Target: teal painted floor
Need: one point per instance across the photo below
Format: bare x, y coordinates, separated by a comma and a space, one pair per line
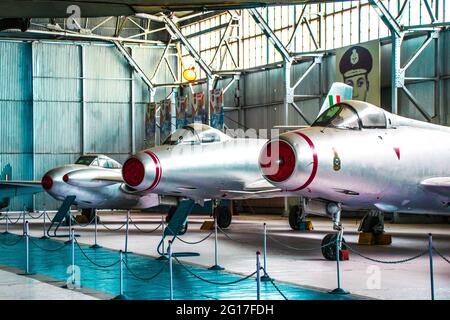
53, 259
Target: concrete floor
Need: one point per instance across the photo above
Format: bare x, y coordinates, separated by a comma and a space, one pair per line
410, 280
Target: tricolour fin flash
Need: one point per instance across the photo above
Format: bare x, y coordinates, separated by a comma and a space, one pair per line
338, 92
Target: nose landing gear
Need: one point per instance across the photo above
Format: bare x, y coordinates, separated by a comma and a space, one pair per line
329, 247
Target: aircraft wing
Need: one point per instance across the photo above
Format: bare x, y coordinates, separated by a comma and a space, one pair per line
109, 178
440, 185
18, 188
257, 187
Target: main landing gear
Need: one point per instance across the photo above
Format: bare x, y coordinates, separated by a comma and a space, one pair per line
169, 216
371, 229
223, 215
329, 247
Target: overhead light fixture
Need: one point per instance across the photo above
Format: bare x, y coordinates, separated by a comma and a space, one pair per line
189, 74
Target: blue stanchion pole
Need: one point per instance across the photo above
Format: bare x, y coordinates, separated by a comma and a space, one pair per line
265, 277
127, 227
216, 265
26, 233
7, 223
95, 245
258, 276
430, 254
170, 270
121, 295
44, 235
338, 290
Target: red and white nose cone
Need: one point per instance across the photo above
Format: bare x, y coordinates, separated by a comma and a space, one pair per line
277, 161
143, 171
133, 172
47, 182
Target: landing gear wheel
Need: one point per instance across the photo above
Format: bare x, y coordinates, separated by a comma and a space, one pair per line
169, 217
329, 252
89, 214
223, 216
295, 214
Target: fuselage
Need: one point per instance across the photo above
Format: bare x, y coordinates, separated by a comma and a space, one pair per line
370, 168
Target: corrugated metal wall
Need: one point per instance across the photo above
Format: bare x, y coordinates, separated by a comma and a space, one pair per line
46, 87
263, 91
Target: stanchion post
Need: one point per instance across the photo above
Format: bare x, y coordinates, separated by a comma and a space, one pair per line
126, 232
121, 295
258, 276
216, 265
170, 270
23, 220
163, 228
265, 277
44, 235
26, 233
95, 245
338, 290
70, 229
430, 254
7, 223
72, 239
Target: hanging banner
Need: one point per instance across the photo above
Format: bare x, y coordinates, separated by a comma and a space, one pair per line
216, 108
199, 114
165, 118
150, 125
359, 67
182, 112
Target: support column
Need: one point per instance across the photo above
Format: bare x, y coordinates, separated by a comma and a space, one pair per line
397, 78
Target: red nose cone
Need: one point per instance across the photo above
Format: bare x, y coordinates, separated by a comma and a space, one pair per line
66, 178
277, 161
47, 182
133, 172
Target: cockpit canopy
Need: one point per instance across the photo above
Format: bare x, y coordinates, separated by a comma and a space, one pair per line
98, 161
195, 133
353, 115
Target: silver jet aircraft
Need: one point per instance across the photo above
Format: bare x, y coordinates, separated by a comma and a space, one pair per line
358, 156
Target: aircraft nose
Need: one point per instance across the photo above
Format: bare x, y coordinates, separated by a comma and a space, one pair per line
142, 171
47, 182
277, 160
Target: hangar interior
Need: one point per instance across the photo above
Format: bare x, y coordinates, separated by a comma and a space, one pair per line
65, 92
82, 81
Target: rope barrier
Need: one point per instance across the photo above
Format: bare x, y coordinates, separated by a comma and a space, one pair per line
300, 249
93, 262
213, 282
143, 231
35, 217
84, 225
143, 278
196, 242
47, 249
13, 243
274, 285
10, 220
387, 262
441, 255
113, 230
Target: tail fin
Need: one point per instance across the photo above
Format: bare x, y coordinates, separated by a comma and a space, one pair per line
338, 92
6, 173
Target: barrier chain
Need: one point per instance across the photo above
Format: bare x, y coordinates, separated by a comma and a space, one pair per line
144, 231
213, 282
13, 243
196, 242
275, 286
145, 278
299, 249
441, 255
387, 262
93, 262
113, 230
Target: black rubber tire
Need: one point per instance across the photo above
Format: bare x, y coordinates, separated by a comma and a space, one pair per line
224, 216
329, 252
89, 214
369, 223
294, 216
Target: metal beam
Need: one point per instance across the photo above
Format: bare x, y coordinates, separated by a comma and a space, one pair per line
133, 64
430, 38
386, 17
174, 29
270, 34
416, 104
291, 42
